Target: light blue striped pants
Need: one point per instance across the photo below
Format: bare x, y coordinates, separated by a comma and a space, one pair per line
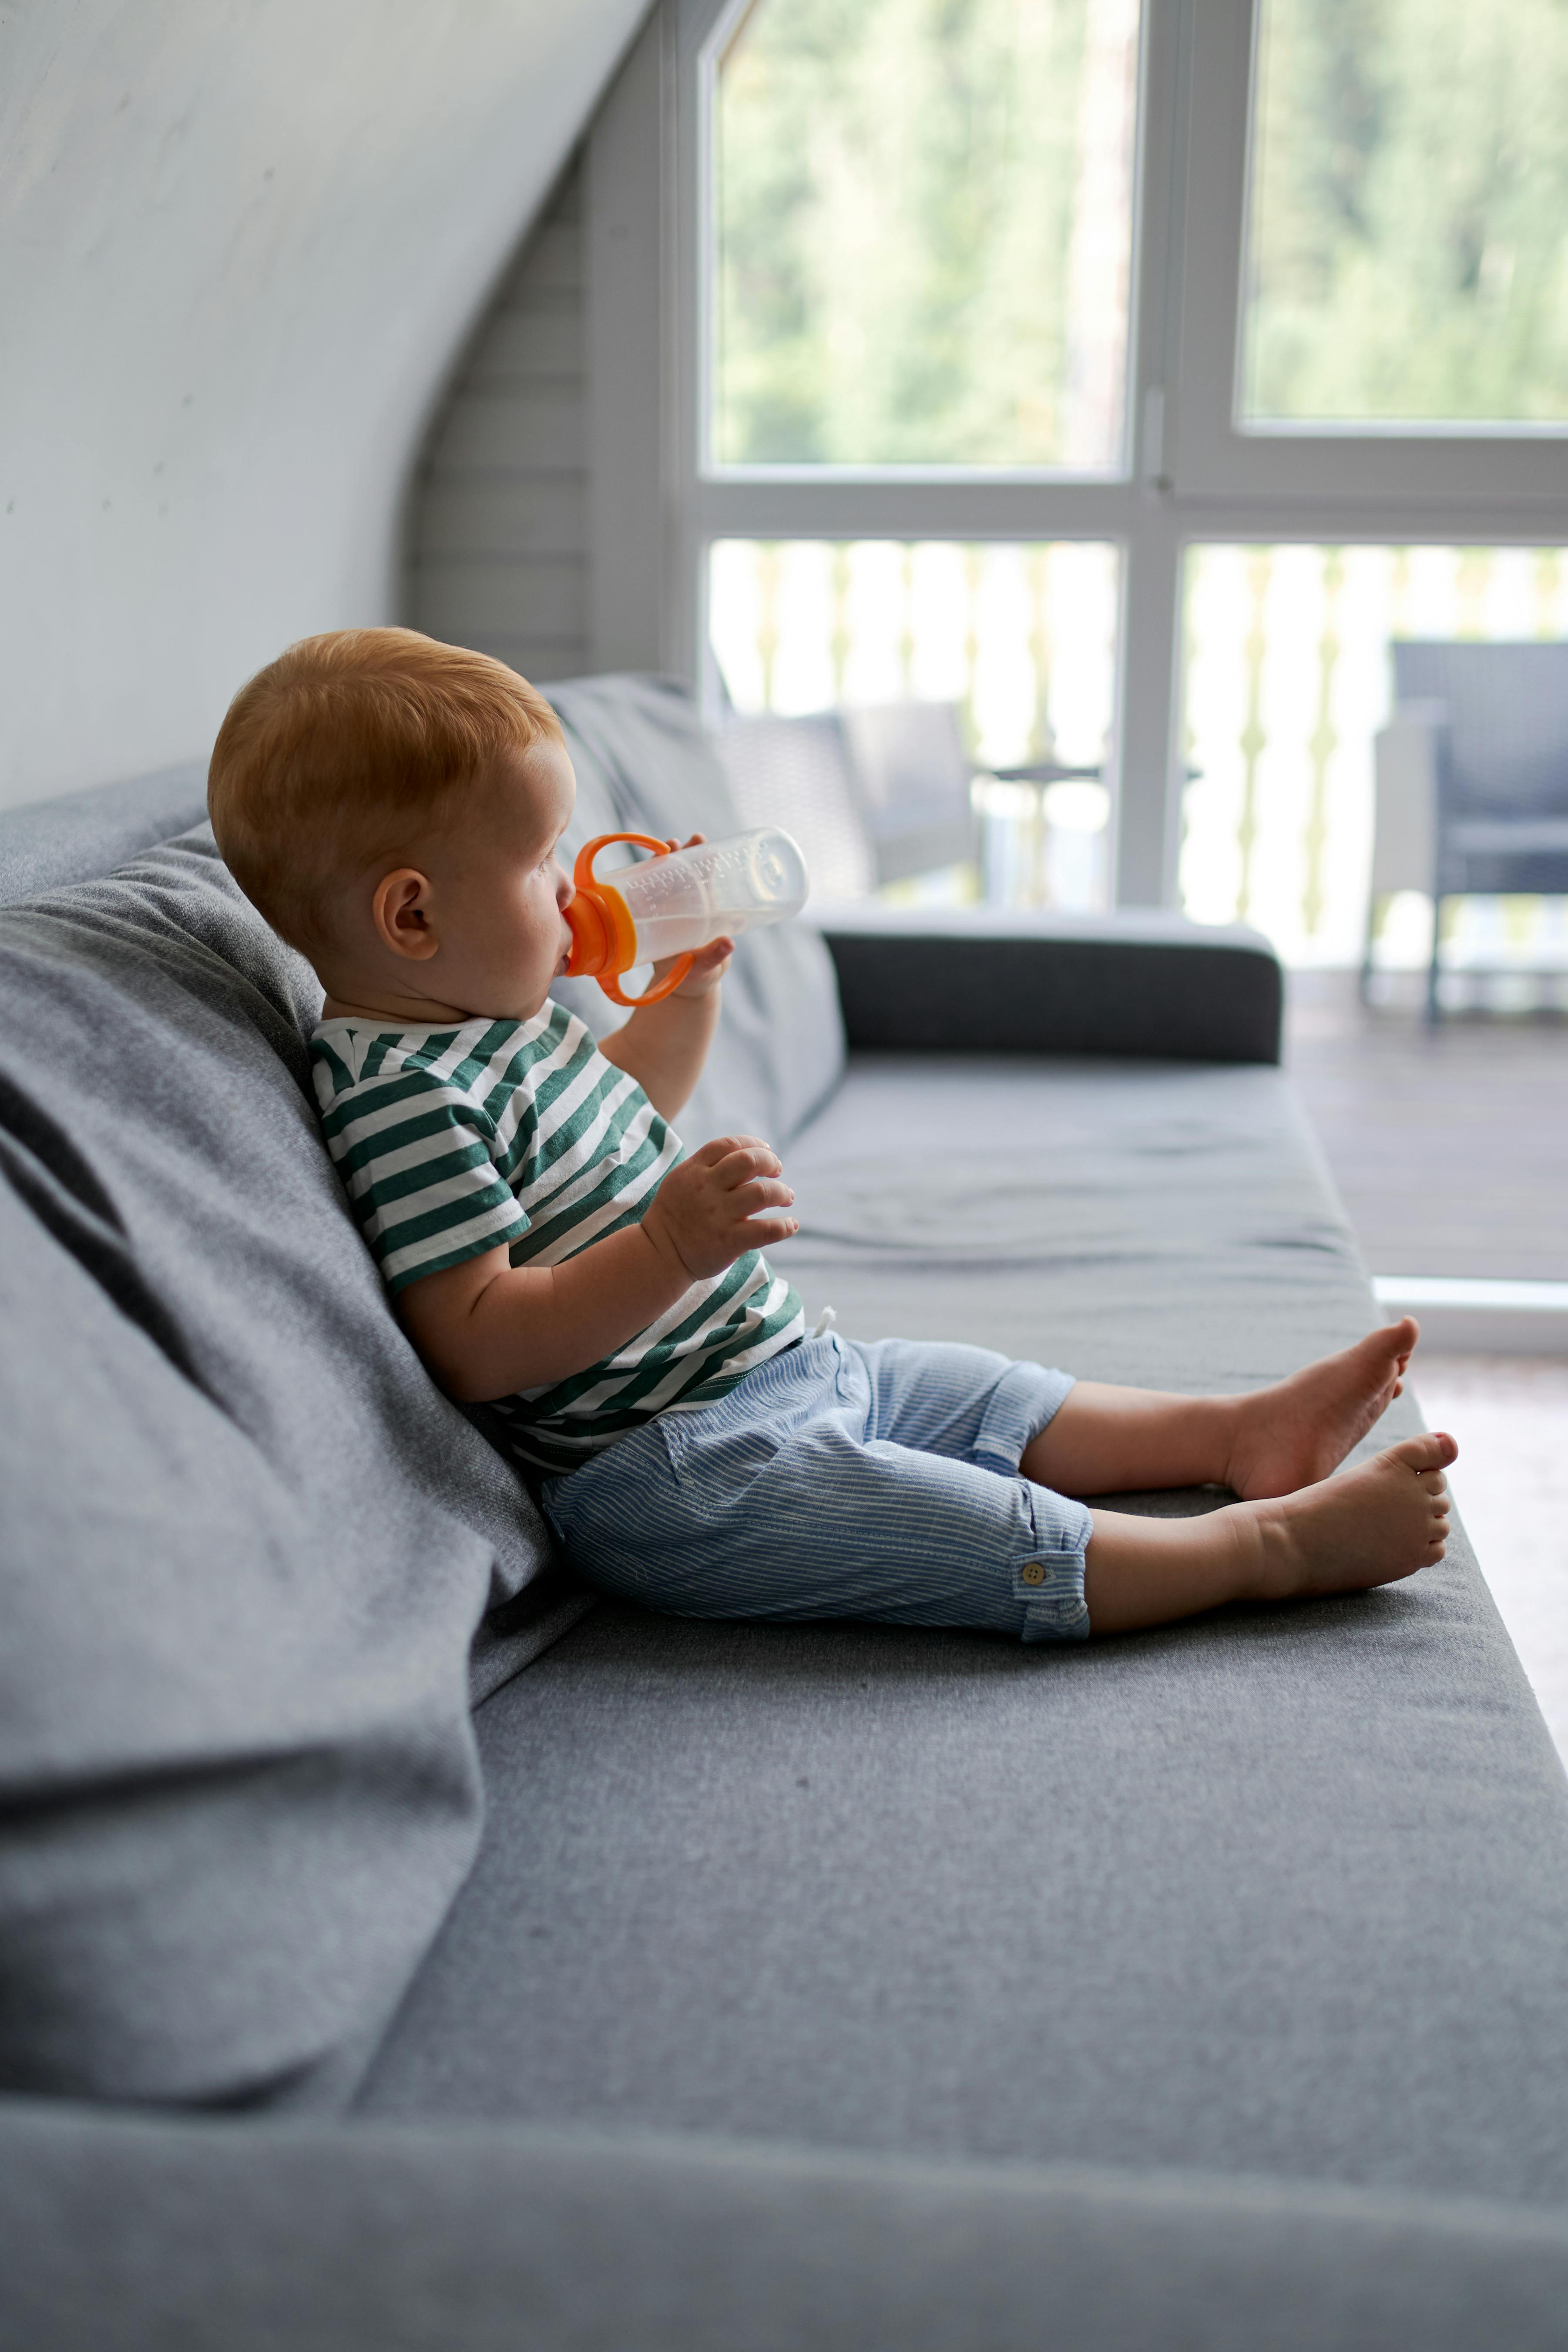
841, 1479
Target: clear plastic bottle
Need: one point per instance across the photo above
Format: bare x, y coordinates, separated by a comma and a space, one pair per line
678, 900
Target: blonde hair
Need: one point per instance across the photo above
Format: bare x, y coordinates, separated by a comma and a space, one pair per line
345, 748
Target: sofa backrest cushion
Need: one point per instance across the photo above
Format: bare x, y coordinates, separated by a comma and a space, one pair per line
641, 753
81, 835
247, 1546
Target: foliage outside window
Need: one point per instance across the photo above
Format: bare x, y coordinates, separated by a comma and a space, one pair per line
1408, 254
924, 232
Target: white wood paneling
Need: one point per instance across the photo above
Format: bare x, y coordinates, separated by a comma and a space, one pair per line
541, 597
634, 520
526, 515
497, 537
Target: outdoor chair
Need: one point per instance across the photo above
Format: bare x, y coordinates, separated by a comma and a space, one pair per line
795, 773
877, 793
1471, 782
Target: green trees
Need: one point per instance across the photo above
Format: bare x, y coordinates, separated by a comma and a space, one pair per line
922, 217
1409, 249
924, 224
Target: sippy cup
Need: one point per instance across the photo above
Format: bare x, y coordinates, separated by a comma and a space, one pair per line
676, 901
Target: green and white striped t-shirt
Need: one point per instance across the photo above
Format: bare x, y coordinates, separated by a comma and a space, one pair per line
452, 1142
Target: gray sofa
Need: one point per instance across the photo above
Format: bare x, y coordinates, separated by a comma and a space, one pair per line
399, 1950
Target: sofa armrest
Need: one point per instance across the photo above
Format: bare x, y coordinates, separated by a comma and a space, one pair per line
987, 980
123, 2235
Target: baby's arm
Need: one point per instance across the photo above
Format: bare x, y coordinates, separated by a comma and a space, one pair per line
487, 1328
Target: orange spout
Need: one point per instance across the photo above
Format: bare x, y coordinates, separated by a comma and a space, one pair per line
604, 935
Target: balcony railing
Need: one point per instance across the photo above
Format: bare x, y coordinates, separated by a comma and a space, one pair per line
1023, 637
1287, 681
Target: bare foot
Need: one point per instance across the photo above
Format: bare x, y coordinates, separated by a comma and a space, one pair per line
1379, 1522
1293, 1436
1382, 1521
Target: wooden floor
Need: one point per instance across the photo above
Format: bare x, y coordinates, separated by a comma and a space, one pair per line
1449, 1146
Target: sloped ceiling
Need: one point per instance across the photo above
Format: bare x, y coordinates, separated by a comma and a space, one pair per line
240, 241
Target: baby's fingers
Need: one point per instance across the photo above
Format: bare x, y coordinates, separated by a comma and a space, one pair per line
724, 1147
762, 1193
752, 1161
764, 1232
711, 958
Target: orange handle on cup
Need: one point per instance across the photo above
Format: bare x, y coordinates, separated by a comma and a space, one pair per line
604, 935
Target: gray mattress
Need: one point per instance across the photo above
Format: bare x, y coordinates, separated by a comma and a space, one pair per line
1279, 1893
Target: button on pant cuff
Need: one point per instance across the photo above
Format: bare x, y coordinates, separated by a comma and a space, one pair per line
1049, 1584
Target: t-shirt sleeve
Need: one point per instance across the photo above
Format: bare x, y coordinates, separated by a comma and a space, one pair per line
415, 1157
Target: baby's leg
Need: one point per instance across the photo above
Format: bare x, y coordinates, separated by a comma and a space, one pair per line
1104, 1440
1372, 1525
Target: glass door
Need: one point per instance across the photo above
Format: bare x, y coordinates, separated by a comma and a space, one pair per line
916, 269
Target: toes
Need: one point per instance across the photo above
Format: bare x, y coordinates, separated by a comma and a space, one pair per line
1432, 1452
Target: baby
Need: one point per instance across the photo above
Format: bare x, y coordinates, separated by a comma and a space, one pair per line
394, 807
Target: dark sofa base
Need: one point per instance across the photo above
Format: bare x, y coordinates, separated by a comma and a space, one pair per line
987, 981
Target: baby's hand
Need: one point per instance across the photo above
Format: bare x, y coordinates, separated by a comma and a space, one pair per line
708, 964
709, 1209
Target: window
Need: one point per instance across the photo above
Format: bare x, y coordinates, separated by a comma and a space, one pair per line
913, 272
1407, 245
1194, 294
1287, 681
924, 222
1022, 638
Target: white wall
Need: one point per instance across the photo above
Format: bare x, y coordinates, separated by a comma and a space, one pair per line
240, 243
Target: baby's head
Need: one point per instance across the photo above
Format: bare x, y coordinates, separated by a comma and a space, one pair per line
392, 805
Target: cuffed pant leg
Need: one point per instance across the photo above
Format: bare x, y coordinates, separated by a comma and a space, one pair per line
968, 1403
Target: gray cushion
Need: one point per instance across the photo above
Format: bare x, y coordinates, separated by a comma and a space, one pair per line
81, 835
1281, 1892
247, 1545
125, 2234
780, 1049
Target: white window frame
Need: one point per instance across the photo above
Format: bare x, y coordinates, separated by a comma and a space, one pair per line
1444, 469
1192, 475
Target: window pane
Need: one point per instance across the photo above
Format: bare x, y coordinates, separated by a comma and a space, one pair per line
1287, 680
1021, 638
1408, 246
924, 232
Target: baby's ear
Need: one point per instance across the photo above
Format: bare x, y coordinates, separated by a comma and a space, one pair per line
400, 908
